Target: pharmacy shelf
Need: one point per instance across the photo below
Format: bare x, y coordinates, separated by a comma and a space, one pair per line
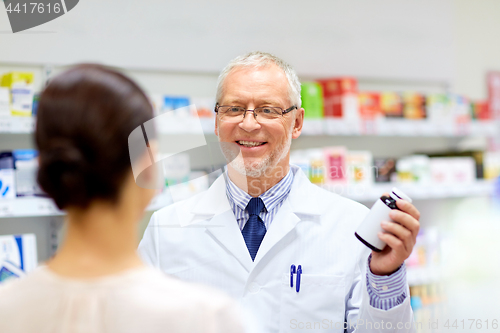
28, 206
399, 127
379, 127
36, 206
17, 125
366, 193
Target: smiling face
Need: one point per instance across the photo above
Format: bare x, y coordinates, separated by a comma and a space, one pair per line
256, 148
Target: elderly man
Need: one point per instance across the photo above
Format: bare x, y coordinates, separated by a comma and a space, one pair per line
267, 236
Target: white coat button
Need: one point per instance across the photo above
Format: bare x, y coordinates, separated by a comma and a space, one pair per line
385, 288
374, 285
253, 288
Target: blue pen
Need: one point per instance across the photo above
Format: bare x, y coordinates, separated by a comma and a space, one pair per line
299, 271
292, 271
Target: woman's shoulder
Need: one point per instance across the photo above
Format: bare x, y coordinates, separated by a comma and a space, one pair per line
16, 292
22, 282
141, 295
182, 291
172, 300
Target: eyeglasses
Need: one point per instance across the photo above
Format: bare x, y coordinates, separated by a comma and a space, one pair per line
262, 114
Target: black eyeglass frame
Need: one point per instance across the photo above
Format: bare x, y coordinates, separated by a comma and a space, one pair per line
283, 112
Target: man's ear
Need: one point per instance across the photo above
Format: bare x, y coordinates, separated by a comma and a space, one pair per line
299, 122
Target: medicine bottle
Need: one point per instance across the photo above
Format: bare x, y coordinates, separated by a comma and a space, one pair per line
368, 231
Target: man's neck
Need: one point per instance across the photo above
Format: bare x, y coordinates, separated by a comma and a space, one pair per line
258, 185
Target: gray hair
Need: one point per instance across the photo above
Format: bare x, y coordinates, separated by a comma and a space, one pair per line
262, 59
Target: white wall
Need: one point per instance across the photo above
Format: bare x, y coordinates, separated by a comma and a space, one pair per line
476, 33
365, 38
469, 32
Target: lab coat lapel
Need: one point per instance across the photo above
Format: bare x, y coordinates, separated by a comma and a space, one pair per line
284, 222
229, 236
301, 204
214, 212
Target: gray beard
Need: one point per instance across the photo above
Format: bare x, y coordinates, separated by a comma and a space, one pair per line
256, 169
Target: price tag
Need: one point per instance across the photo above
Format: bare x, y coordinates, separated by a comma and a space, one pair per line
476, 188
437, 191
446, 129
313, 127
406, 127
21, 125
462, 126
462, 190
392, 127
46, 207
5, 124
16, 125
368, 127
418, 192
420, 127
475, 128
386, 127
28, 125
6, 209
330, 126
380, 126
449, 191
428, 128
338, 126
491, 127
351, 127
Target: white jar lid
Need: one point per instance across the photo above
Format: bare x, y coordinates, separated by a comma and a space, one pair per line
400, 194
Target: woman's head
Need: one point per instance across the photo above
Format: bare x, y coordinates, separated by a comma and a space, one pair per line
85, 116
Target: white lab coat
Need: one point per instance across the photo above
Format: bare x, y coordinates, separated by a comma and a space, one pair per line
199, 240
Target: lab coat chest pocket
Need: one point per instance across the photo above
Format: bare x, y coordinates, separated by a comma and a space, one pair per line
318, 306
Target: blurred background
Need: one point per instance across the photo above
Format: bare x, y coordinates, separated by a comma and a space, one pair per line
396, 93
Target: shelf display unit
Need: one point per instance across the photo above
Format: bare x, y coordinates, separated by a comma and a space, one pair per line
39, 206
312, 127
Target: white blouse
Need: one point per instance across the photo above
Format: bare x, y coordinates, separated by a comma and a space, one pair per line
138, 300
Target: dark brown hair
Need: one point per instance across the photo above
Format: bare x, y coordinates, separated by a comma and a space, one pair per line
85, 116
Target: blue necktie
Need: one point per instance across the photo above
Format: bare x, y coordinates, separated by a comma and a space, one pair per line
254, 229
